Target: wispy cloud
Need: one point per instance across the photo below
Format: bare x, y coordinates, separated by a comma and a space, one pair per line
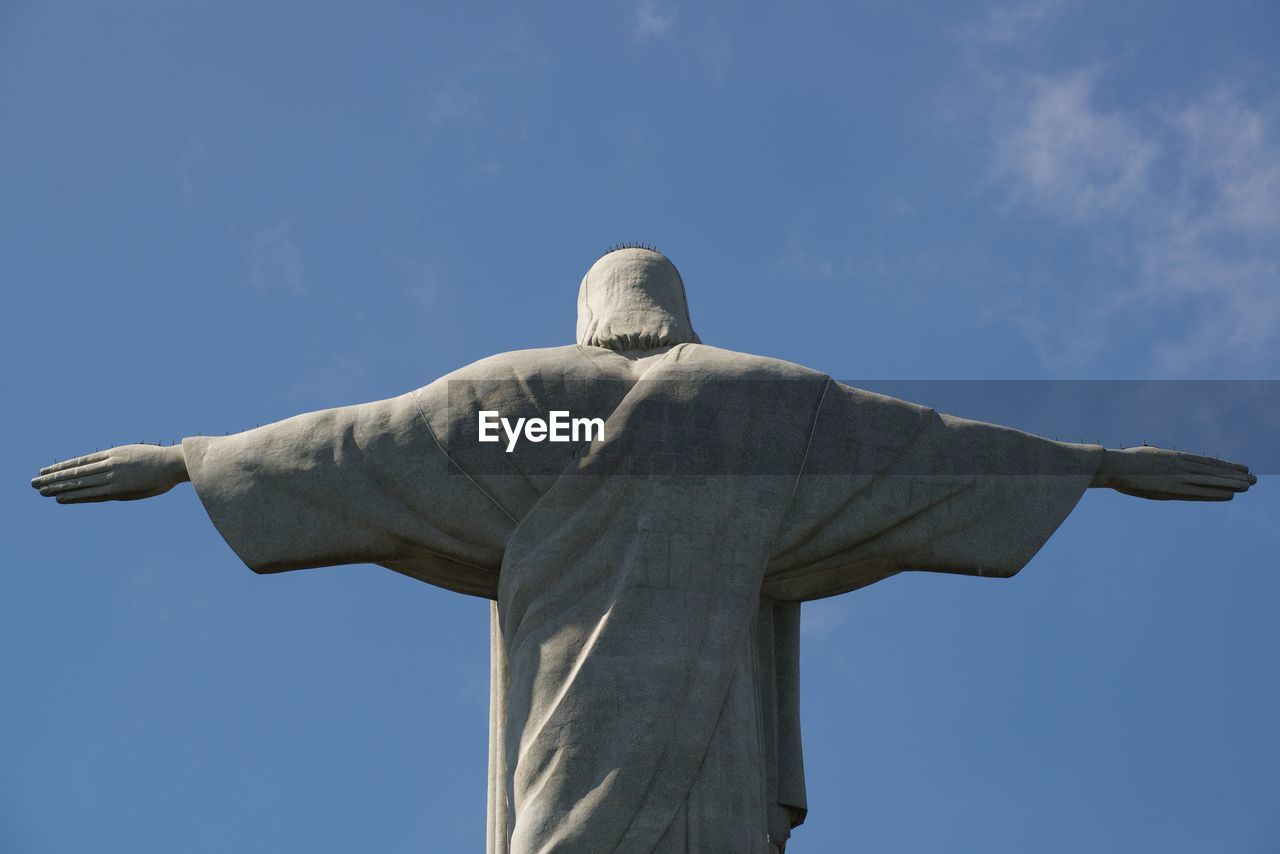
649, 20
1012, 23
701, 31
452, 102
823, 617
1202, 241
1216, 243
184, 168
716, 53
1063, 155
809, 257
275, 259
1177, 199
459, 97
418, 278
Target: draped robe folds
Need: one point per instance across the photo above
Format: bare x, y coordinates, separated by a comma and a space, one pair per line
646, 586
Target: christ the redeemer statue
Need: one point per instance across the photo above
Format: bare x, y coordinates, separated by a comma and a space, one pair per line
647, 570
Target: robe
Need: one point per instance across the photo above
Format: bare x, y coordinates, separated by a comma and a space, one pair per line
646, 585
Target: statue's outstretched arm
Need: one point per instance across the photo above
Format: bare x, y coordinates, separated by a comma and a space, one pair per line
1165, 475
124, 473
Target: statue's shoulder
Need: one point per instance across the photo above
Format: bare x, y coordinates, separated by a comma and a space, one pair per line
515, 364
571, 360
840, 400
735, 364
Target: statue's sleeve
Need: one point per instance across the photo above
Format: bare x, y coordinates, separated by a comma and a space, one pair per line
888, 486
357, 484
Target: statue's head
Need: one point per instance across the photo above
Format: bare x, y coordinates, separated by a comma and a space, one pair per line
633, 299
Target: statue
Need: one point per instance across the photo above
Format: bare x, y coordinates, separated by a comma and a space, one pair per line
647, 570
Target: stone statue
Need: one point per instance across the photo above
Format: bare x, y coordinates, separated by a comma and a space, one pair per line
646, 576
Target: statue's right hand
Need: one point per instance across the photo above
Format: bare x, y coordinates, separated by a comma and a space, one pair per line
126, 473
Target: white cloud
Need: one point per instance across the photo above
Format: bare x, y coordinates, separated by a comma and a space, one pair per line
823, 617
275, 259
1227, 143
460, 95
649, 20
1063, 155
702, 32
1178, 202
1012, 23
716, 53
418, 278
452, 102
185, 166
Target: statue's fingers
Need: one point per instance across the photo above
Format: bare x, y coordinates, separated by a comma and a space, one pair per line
75, 461
1153, 494
1235, 484
81, 496
72, 484
1208, 493
72, 473
1198, 470
1215, 463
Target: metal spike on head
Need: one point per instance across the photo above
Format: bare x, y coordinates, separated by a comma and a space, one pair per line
615, 247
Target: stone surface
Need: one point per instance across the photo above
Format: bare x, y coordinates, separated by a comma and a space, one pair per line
646, 585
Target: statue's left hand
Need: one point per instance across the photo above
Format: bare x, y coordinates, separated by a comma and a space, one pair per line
1166, 475
125, 473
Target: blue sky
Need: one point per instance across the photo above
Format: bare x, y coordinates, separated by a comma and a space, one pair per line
221, 214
